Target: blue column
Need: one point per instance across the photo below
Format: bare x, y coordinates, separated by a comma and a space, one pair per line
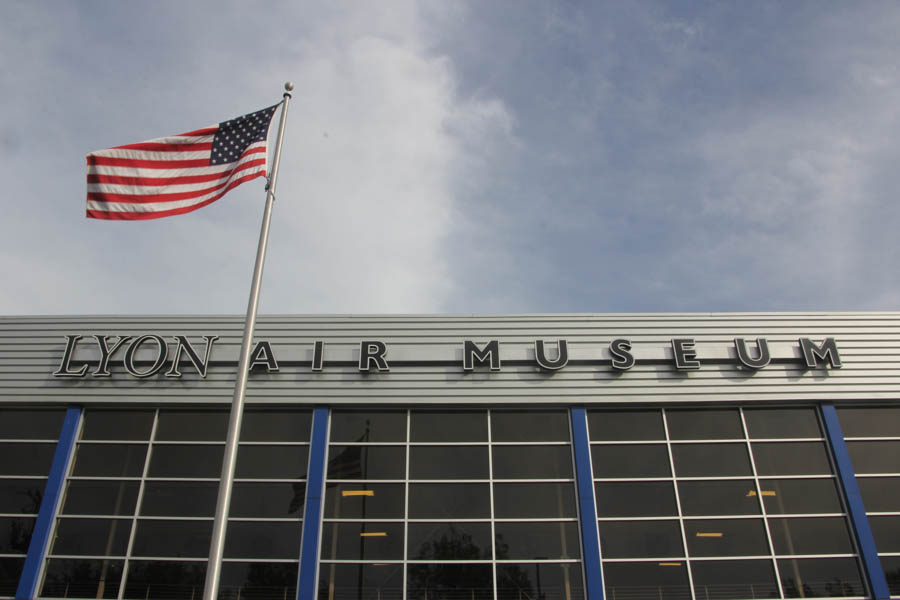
858, 518
40, 538
312, 513
587, 510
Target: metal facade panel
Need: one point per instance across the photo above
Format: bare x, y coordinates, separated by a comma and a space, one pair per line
427, 354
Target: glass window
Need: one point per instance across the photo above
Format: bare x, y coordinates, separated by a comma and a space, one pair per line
532, 462
272, 462
800, 496
534, 500
92, 537
448, 462
710, 460
875, 457
186, 461
26, 458
109, 460
15, 533
782, 423
267, 500
88, 578
820, 535
870, 422
362, 541
450, 582
164, 579
722, 497
449, 501
726, 537
10, 571
886, 530
22, 424
738, 579
662, 580
86, 497
364, 501
539, 580
537, 540
366, 462
625, 425
632, 460
806, 577
276, 425
704, 424
261, 539
529, 426
368, 426
263, 581
880, 494
791, 458
179, 498
448, 426
192, 425
103, 424
891, 566
636, 499
158, 538
641, 539
21, 495
449, 541
368, 581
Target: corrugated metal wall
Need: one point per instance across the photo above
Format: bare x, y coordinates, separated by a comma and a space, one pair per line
31, 349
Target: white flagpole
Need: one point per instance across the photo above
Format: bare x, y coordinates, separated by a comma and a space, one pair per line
217, 544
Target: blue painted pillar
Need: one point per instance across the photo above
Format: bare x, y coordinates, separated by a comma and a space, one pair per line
40, 538
587, 509
859, 520
312, 513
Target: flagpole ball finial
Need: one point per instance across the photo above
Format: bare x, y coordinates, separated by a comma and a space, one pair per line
289, 86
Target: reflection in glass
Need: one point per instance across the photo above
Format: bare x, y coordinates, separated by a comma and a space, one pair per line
798, 458
534, 500
632, 460
719, 424
362, 541
19, 424
102, 424
886, 530
880, 494
532, 462
636, 499
261, 539
164, 579
717, 497
870, 422
68, 578
625, 425
272, 462
448, 426
640, 539
362, 501
276, 425
179, 499
529, 426
449, 501
366, 462
273, 500
172, 538
782, 423
537, 540
15, 533
109, 460
738, 579
809, 577
97, 537
875, 457
662, 580
258, 581
26, 458
821, 535
10, 571
710, 460
450, 582
448, 462
539, 580
186, 461
21, 495
86, 497
192, 425
368, 426
449, 541
374, 581
800, 496
891, 566
726, 537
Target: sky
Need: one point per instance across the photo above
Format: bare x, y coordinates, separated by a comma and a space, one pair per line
465, 157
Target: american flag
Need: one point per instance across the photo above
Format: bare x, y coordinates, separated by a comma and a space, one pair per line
179, 173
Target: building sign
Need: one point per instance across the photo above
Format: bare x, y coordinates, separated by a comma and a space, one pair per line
149, 355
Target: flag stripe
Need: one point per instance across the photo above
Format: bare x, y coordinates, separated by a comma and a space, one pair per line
162, 161
120, 183
168, 147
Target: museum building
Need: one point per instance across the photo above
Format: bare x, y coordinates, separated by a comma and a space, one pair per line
523, 457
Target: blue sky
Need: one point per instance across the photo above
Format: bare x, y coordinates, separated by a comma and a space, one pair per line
483, 157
